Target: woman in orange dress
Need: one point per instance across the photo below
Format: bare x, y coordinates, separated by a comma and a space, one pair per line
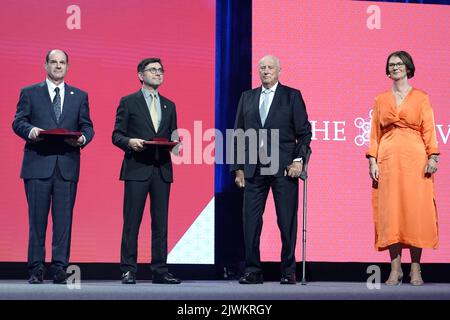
403, 157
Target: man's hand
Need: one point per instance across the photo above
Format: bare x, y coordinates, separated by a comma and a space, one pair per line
75, 142
136, 144
34, 134
177, 149
239, 180
294, 169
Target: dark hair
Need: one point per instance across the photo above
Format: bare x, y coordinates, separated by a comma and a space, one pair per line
47, 57
406, 59
141, 66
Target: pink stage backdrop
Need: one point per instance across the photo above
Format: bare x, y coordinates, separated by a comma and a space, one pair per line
105, 41
335, 53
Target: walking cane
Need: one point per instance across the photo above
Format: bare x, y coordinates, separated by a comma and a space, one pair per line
304, 177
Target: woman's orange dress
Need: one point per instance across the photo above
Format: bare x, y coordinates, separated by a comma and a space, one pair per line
401, 140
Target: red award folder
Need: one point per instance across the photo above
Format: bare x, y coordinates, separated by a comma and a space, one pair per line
161, 142
60, 133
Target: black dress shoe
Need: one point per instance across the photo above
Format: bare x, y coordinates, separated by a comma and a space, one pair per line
60, 277
36, 277
288, 279
166, 278
251, 278
128, 277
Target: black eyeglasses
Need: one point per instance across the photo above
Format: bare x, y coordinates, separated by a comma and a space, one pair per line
155, 70
398, 65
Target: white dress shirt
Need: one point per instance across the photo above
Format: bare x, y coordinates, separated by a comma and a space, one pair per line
271, 95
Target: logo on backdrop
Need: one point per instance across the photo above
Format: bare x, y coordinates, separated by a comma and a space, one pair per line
363, 126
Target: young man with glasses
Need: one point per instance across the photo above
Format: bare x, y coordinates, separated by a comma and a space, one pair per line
146, 170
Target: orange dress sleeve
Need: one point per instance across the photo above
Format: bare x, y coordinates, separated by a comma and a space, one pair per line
428, 128
374, 133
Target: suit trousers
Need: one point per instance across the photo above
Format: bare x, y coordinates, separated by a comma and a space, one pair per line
135, 197
285, 193
60, 194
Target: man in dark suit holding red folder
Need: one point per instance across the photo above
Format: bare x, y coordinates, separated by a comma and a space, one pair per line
146, 170
51, 166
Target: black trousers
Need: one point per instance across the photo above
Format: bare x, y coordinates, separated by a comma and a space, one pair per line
285, 193
135, 197
60, 194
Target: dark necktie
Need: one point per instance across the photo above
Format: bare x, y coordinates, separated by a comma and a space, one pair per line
57, 104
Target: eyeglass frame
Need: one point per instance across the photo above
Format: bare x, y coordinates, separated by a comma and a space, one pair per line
398, 65
154, 70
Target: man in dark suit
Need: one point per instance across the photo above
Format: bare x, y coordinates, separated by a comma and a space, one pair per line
143, 116
276, 115
51, 167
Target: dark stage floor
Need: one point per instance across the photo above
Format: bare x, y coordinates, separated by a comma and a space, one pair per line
219, 290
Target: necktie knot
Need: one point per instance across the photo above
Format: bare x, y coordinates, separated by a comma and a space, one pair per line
57, 90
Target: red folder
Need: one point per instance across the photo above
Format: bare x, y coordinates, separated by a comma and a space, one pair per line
60, 133
161, 142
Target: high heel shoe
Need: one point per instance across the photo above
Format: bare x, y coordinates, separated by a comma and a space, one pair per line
395, 279
416, 278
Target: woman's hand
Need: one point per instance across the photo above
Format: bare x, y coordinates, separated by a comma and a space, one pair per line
374, 171
431, 166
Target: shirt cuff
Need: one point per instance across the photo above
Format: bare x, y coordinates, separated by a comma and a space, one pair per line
29, 134
84, 140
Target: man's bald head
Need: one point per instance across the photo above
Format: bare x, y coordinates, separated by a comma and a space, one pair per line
269, 70
47, 57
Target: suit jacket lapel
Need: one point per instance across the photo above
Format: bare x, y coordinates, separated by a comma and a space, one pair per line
164, 111
68, 99
255, 103
46, 98
144, 109
275, 104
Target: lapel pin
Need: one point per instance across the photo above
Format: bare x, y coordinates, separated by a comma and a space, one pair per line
165, 107
71, 92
